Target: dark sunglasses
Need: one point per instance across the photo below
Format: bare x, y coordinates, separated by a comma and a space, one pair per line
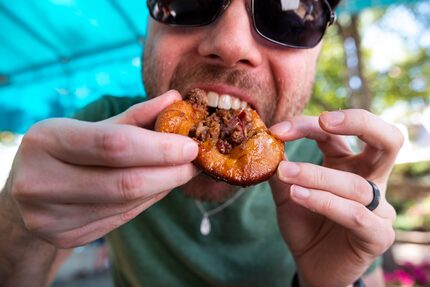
289, 23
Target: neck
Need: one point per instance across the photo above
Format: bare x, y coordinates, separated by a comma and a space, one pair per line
205, 188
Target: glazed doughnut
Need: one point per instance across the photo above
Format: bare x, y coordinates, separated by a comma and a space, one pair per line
235, 145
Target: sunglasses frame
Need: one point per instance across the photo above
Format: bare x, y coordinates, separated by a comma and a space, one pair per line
332, 19
226, 4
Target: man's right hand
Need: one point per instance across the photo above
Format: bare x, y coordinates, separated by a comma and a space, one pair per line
75, 181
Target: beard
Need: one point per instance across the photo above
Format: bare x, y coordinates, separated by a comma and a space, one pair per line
262, 89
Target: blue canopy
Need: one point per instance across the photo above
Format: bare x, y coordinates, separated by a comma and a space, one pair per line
58, 55
355, 6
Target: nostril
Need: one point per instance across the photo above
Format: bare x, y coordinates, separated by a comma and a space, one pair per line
226, 61
230, 40
213, 56
246, 62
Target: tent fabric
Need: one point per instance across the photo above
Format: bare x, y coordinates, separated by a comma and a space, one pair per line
355, 6
42, 32
58, 55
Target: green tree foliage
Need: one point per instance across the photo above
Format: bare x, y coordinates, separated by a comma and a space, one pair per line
408, 80
330, 91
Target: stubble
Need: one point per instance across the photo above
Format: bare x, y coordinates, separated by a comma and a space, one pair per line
262, 88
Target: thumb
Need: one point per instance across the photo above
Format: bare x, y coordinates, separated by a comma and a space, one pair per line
144, 114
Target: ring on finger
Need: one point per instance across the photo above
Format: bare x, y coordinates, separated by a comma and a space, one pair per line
376, 196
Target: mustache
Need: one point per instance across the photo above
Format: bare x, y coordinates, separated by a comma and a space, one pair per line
209, 73
258, 86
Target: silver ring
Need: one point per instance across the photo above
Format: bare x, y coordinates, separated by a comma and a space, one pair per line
376, 196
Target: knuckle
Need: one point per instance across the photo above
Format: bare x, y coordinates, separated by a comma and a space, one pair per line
361, 216
21, 188
327, 206
62, 241
363, 117
35, 223
126, 217
31, 141
392, 214
398, 138
319, 177
131, 114
112, 145
391, 237
168, 151
385, 240
37, 135
130, 184
361, 191
30, 223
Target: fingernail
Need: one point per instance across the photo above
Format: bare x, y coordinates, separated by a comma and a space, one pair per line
300, 192
172, 96
281, 128
190, 151
289, 169
332, 118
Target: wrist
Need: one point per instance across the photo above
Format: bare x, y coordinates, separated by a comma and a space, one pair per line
25, 257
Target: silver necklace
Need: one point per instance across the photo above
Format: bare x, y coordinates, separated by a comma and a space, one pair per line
205, 225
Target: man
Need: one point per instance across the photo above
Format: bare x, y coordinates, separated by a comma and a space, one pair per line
74, 181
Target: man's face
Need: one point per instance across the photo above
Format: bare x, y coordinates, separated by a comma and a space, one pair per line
229, 57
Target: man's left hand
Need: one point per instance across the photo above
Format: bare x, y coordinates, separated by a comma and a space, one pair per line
321, 210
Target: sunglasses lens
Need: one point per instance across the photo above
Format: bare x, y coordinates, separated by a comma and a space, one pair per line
185, 12
294, 23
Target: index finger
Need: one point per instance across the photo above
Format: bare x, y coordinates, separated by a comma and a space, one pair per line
365, 125
104, 144
144, 114
308, 127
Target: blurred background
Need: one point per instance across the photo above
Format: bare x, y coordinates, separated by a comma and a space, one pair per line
56, 56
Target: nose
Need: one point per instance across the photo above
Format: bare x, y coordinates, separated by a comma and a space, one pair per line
229, 40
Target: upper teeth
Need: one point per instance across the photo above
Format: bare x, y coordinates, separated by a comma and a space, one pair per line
225, 101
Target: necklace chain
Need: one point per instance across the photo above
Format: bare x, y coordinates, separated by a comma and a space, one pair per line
220, 207
205, 226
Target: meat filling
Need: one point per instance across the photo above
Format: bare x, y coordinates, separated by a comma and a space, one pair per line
228, 128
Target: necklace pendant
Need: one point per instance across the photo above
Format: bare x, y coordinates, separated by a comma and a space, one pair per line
205, 226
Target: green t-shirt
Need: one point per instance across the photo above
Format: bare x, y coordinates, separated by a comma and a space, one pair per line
163, 246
